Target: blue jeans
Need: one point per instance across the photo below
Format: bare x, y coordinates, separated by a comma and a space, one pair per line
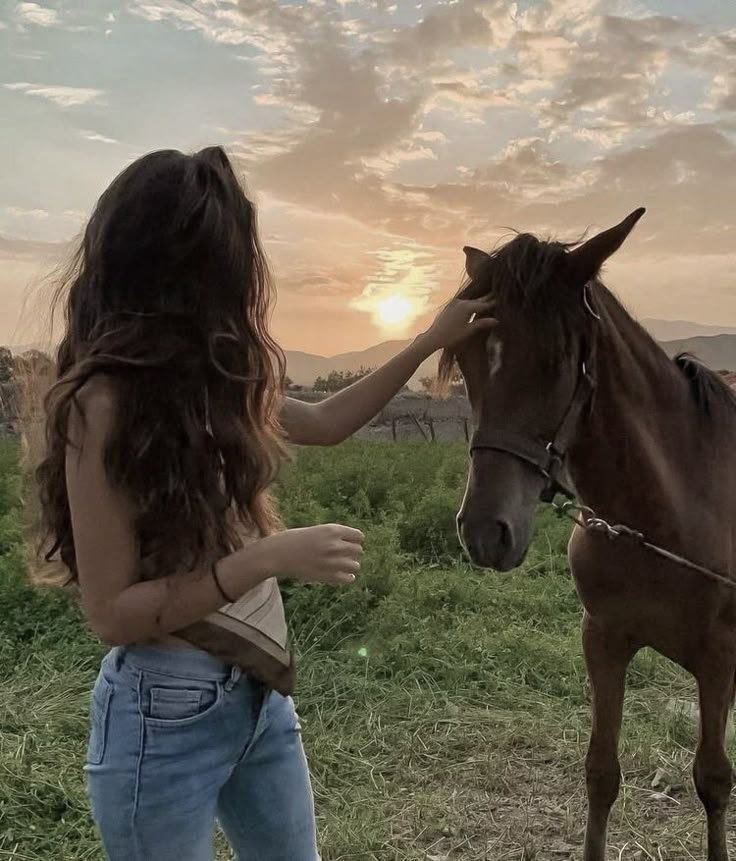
179, 739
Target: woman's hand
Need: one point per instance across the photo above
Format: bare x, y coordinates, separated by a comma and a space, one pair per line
316, 554
335, 418
457, 321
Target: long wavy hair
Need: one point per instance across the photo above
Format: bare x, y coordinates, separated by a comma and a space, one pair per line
169, 296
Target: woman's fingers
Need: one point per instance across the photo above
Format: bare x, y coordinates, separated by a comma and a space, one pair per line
481, 324
347, 533
479, 306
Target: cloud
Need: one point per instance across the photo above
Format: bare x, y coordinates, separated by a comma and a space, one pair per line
34, 56
183, 15
719, 57
253, 22
607, 80
684, 176
354, 135
19, 212
96, 136
37, 223
31, 250
65, 97
459, 25
594, 81
464, 93
33, 13
604, 71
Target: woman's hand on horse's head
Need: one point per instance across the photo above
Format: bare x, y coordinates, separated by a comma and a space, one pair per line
459, 320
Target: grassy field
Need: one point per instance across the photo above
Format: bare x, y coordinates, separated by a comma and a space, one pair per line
445, 709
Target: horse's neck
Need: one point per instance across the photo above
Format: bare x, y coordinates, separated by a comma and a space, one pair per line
633, 450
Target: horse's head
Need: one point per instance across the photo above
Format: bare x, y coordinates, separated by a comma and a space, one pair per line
528, 383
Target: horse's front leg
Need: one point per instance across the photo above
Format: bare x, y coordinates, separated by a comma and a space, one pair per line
712, 771
607, 655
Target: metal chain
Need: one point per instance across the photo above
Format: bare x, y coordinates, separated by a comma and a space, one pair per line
587, 519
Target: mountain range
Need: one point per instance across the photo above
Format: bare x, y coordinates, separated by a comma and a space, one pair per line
714, 345
677, 330
717, 351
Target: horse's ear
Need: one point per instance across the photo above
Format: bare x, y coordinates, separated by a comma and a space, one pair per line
476, 262
585, 261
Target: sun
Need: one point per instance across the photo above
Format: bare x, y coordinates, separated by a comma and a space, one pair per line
394, 310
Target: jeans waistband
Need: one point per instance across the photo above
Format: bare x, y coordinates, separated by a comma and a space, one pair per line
179, 661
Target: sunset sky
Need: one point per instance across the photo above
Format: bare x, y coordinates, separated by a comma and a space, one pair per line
379, 137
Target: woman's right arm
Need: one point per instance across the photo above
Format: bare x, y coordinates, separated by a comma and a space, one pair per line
119, 606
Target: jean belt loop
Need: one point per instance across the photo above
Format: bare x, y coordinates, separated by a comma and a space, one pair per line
235, 674
119, 657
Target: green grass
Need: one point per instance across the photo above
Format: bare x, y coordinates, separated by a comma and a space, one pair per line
445, 709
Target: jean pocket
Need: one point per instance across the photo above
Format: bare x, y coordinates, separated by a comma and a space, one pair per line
171, 701
99, 717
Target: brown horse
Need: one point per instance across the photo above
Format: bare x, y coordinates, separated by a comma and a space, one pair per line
569, 387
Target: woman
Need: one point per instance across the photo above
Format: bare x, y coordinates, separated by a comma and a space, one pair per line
165, 428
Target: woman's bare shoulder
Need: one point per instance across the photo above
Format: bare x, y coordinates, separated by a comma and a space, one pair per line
93, 408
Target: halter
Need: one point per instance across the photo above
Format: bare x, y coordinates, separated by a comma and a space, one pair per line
547, 458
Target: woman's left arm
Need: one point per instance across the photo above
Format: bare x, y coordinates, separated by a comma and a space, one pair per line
336, 418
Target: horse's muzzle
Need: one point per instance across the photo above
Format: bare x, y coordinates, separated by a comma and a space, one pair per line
491, 545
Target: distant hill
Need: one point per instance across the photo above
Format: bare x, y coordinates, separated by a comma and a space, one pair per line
717, 351
677, 330
714, 345
304, 368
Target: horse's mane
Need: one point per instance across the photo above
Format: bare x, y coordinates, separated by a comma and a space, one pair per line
521, 278
710, 391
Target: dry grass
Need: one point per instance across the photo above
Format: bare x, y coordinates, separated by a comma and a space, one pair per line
437, 778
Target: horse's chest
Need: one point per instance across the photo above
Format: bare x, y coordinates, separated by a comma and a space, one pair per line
650, 601
616, 582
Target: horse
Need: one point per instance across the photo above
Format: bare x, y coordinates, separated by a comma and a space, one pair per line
569, 393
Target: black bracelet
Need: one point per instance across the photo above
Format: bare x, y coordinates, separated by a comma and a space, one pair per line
213, 569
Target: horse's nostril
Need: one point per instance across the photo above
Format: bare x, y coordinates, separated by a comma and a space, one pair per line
505, 533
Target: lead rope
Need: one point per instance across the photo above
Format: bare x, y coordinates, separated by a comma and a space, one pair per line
586, 518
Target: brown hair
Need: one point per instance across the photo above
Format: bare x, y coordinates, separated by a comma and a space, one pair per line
168, 296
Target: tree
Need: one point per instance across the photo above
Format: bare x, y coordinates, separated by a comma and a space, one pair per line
337, 380
291, 386
428, 383
35, 362
456, 384
6, 365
